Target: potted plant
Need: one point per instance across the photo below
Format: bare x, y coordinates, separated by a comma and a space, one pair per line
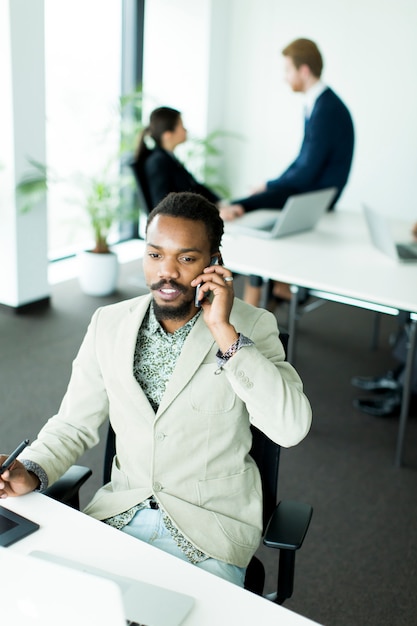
98, 267
105, 196
104, 199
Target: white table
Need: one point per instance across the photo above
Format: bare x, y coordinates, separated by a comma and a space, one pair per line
335, 262
73, 535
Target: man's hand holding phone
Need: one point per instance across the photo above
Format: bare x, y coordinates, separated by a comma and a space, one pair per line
197, 299
218, 281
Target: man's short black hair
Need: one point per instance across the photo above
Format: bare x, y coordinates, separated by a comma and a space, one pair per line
192, 206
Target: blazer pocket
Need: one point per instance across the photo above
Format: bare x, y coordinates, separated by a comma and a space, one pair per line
119, 479
210, 393
217, 494
236, 503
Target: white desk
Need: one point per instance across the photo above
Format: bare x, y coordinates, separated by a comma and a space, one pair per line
72, 534
335, 262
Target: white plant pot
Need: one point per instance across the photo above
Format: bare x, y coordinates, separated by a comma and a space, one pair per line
98, 272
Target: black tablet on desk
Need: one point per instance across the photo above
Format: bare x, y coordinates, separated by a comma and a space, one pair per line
14, 527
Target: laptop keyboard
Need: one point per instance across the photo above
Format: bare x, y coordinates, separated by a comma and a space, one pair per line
407, 251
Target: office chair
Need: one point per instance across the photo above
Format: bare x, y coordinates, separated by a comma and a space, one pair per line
285, 524
144, 196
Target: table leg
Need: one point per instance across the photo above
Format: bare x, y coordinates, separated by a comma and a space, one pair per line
265, 293
405, 403
375, 331
292, 321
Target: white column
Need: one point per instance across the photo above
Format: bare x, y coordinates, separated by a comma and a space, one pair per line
23, 237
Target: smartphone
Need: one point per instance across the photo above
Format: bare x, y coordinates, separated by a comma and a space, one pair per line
197, 302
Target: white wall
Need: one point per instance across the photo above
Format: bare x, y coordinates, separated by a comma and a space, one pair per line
229, 54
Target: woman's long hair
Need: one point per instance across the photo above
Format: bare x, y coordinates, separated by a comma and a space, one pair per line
161, 120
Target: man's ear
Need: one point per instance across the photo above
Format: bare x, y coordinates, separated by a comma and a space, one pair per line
305, 71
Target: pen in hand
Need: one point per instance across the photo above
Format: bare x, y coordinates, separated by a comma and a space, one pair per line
13, 456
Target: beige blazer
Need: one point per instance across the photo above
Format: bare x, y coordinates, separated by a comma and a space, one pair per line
193, 454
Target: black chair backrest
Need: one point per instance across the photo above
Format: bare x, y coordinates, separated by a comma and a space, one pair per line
109, 453
266, 454
142, 186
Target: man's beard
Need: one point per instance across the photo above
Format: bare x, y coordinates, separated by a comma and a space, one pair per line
169, 311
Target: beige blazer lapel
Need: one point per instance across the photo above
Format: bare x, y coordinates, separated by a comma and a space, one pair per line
196, 347
125, 339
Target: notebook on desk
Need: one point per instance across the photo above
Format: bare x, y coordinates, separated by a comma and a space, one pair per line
382, 239
300, 213
144, 604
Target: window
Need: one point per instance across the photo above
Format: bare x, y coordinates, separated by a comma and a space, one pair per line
83, 51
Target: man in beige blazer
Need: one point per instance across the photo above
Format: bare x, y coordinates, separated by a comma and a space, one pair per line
181, 381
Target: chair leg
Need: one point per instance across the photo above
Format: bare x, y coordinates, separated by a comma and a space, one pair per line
375, 331
285, 575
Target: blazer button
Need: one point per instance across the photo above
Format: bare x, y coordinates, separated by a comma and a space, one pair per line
159, 436
157, 487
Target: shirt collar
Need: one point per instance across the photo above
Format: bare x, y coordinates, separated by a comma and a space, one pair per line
312, 95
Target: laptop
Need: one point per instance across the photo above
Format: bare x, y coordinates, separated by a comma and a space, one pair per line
37, 593
381, 237
300, 213
144, 604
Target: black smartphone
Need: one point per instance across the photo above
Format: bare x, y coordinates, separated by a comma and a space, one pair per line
197, 302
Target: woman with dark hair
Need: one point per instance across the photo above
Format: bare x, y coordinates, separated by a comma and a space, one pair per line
161, 171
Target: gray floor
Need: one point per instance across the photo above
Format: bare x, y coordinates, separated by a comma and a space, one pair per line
358, 562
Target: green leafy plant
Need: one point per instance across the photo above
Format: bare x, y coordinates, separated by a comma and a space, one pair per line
201, 156
33, 186
103, 206
105, 196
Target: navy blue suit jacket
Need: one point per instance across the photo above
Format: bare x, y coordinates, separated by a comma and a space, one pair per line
324, 160
164, 173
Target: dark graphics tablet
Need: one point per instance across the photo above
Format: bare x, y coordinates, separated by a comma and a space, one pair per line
14, 527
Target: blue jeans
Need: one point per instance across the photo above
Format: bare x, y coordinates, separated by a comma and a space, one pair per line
148, 526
